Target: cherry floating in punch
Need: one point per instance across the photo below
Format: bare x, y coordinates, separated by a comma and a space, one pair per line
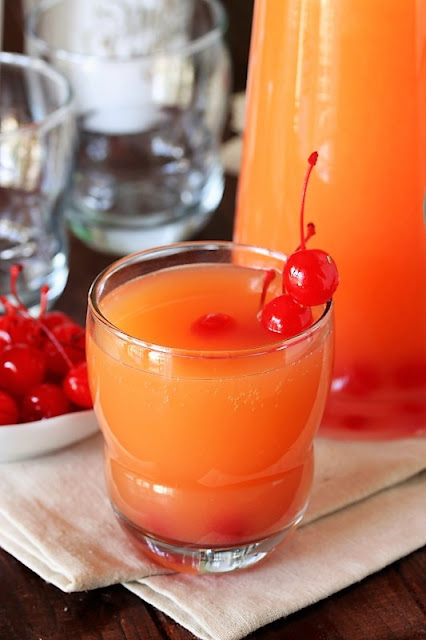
212, 324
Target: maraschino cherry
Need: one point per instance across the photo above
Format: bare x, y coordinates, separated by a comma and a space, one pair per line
310, 278
285, 316
45, 400
43, 370
21, 367
9, 411
76, 386
212, 323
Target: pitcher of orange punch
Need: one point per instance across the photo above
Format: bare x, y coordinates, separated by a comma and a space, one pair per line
348, 79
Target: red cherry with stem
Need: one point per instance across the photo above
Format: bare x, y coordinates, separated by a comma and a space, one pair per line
73, 337
54, 319
20, 328
24, 330
58, 360
65, 346
9, 411
76, 386
50, 319
212, 323
310, 276
21, 367
285, 316
56, 365
44, 400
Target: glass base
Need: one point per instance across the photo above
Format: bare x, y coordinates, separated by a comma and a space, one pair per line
204, 560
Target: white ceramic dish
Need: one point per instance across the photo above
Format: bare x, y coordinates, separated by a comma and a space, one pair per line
33, 439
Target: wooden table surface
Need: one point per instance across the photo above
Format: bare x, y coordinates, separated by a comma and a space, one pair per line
390, 605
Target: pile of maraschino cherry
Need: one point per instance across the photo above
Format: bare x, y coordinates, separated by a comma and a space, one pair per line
310, 278
43, 371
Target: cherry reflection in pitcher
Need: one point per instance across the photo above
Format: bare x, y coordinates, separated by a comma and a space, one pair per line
348, 77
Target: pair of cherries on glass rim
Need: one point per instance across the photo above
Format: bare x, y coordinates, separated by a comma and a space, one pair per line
43, 370
310, 278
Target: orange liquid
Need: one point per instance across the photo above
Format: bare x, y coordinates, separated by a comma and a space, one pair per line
348, 78
207, 445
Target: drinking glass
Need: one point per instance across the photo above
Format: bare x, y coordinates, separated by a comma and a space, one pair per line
347, 78
37, 144
208, 449
151, 81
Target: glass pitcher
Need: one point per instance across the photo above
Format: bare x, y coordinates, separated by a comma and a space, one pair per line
347, 78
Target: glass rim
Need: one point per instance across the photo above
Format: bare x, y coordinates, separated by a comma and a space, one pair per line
50, 120
220, 24
273, 346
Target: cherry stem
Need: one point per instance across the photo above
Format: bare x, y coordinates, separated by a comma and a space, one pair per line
57, 344
15, 271
43, 300
310, 231
269, 276
43, 308
7, 305
312, 160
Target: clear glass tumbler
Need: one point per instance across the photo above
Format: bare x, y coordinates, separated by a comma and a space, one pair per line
37, 145
208, 418
151, 81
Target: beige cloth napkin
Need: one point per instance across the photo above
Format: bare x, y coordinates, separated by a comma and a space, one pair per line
367, 510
